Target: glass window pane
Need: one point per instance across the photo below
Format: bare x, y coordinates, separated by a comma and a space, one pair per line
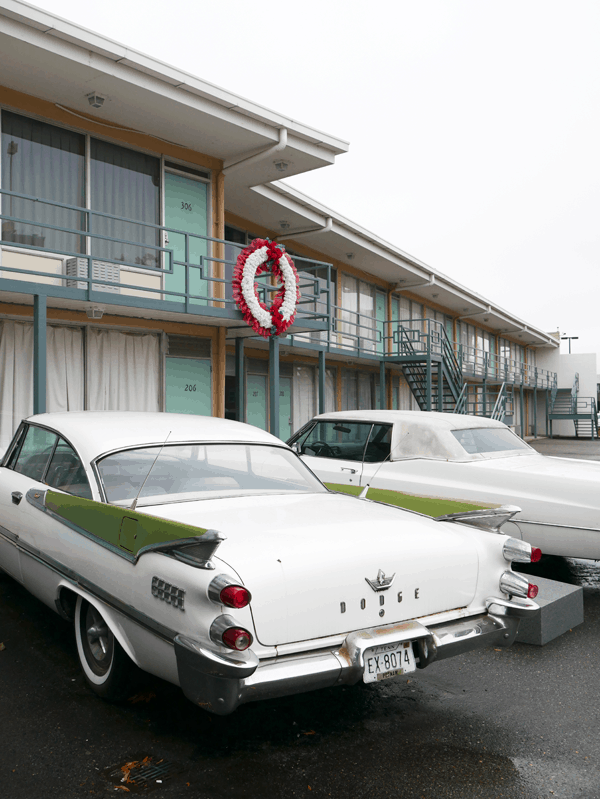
192, 472
338, 440
380, 440
67, 473
125, 183
46, 162
488, 439
35, 453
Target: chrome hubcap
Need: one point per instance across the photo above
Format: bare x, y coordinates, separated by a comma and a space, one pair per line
98, 635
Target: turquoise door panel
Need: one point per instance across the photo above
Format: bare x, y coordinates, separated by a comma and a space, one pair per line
188, 387
256, 400
186, 209
285, 408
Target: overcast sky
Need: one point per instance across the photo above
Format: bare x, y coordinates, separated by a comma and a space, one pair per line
474, 127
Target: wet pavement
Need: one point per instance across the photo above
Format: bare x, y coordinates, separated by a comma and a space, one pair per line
522, 722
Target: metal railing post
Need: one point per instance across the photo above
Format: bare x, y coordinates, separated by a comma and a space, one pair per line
382, 399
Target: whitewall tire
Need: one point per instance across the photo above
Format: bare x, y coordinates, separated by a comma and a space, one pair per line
106, 667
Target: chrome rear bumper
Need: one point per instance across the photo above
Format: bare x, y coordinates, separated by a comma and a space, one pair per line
221, 682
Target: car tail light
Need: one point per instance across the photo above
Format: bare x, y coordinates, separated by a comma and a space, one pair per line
226, 631
517, 585
226, 590
235, 596
237, 638
520, 551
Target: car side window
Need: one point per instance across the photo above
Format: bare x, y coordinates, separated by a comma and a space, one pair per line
35, 452
66, 471
378, 448
339, 440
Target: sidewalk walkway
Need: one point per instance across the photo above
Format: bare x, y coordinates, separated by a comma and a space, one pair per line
588, 449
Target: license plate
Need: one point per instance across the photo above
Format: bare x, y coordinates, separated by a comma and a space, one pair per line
388, 660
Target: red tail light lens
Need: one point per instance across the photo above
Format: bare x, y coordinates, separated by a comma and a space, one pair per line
234, 596
536, 554
532, 591
237, 638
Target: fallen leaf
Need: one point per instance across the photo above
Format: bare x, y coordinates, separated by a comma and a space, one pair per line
122, 788
310, 732
147, 697
2, 646
497, 650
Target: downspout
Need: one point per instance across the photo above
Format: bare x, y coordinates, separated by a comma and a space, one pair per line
251, 159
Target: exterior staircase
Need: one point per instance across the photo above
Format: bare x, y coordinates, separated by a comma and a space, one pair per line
582, 411
429, 364
498, 405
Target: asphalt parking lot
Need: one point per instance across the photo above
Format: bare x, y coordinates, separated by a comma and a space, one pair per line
522, 722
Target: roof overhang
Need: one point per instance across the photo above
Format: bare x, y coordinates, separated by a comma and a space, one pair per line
57, 61
336, 237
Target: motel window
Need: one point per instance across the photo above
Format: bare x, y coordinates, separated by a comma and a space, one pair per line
125, 183
46, 162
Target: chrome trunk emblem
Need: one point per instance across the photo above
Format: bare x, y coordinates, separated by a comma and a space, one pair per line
381, 582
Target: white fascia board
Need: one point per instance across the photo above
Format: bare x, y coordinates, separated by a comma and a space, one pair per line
88, 42
318, 213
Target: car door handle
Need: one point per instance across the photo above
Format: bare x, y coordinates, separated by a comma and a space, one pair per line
16, 497
347, 469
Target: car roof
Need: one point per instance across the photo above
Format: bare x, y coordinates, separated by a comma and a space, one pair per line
93, 433
431, 419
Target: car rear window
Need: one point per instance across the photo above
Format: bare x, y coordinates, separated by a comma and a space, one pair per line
478, 440
200, 471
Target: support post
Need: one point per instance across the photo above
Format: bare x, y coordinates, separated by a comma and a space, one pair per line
274, 385
522, 409
535, 408
240, 398
440, 387
39, 353
321, 381
428, 383
382, 398
484, 396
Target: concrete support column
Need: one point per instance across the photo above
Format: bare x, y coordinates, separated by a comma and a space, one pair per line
39, 353
240, 384
274, 385
322, 381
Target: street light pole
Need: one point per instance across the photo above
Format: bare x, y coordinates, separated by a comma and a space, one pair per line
569, 339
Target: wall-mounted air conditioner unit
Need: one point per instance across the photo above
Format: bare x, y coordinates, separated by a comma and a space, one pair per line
101, 270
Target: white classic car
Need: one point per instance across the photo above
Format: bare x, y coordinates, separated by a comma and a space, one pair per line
440, 462
208, 554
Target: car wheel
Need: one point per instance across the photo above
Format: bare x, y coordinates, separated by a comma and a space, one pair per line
106, 666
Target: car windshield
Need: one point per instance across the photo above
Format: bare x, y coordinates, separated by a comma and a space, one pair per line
187, 472
478, 440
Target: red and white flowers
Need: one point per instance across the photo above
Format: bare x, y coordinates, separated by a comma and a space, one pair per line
259, 257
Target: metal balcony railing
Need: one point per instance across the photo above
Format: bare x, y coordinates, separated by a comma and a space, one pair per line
158, 266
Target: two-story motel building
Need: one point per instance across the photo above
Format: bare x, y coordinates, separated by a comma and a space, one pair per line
128, 189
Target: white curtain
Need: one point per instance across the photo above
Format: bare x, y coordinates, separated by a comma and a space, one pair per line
330, 391
64, 374
304, 395
16, 378
122, 371
64, 370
